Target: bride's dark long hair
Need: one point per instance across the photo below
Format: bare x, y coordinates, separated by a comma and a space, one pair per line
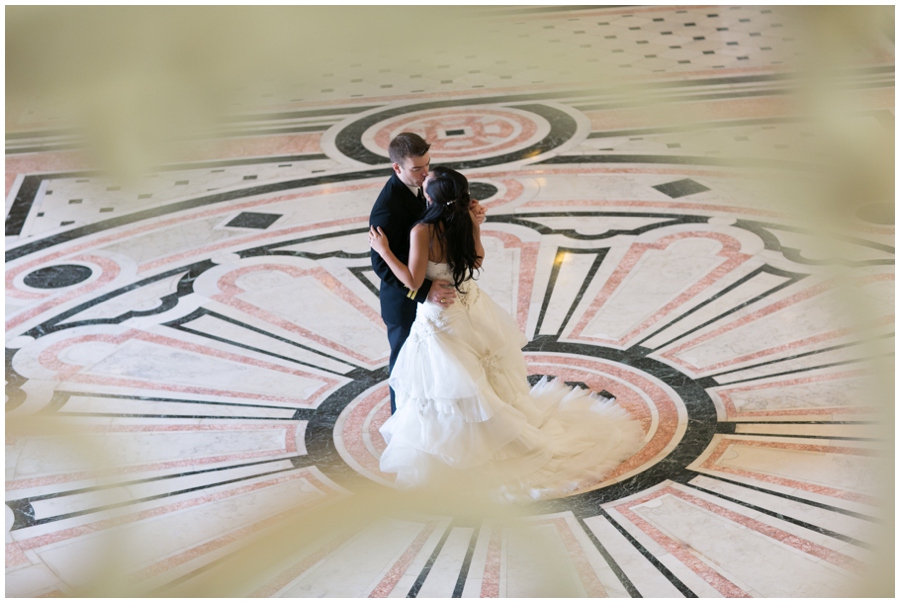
449, 213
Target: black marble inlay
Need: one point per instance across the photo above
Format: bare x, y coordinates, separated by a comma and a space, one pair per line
167, 302
562, 127
482, 190
681, 188
700, 428
467, 563
61, 275
791, 279
24, 516
14, 382
878, 213
764, 231
426, 569
25, 196
249, 219
554, 275
454, 132
181, 325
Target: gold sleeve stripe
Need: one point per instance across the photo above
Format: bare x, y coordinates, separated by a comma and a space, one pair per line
412, 294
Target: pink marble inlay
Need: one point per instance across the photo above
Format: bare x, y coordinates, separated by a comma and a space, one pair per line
732, 412
109, 271
668, 205
54, 161
352, 432
60, 252
296, 570
290, 446
672, 353
50, 358
514, 190
490, 582
231, 292
684, 553
229, 538
488, 131
586, 370
390, 580
583, 567
528, 253
15, 556
711, 464
730, 251
97, 526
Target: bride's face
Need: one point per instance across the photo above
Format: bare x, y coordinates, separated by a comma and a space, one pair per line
425, 189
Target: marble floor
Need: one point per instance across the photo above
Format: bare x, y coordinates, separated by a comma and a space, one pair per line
196, 364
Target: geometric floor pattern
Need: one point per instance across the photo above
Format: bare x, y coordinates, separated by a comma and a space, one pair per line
196, 364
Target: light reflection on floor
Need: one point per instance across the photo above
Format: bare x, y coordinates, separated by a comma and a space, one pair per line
196, 366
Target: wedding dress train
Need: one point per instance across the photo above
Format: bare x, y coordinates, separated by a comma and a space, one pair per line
465, 408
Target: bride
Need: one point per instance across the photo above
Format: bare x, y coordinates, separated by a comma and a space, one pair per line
464, 406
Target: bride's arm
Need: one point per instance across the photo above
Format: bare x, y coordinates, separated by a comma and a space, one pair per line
413, 275
477, 213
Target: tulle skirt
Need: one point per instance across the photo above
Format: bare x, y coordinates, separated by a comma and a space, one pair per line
465, 411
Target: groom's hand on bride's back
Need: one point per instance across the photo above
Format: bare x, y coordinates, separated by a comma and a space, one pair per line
442, 293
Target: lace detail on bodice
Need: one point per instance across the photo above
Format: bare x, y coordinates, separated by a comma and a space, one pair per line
468, 291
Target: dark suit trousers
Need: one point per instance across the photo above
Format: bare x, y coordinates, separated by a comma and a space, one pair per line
397, 335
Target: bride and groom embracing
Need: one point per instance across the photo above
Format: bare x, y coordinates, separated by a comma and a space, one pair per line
461, 405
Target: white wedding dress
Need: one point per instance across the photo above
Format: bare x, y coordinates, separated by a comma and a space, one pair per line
465, 409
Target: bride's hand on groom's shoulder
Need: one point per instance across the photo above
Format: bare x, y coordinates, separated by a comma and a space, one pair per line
378, 240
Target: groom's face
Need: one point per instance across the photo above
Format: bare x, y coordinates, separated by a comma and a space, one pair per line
412, 171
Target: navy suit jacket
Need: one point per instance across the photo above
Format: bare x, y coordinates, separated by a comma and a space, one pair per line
396, 210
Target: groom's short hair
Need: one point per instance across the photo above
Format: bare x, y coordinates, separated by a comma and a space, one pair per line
407, 144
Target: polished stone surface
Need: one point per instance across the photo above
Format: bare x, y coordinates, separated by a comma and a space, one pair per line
196, 365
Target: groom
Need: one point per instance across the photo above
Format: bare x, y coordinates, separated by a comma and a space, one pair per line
399, 206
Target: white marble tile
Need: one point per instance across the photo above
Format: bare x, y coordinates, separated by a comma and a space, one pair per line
720, 305
168, 442
851, 357
609, 581
171, 239
475, 577
140, 299
536, 564
807, 318
442, 578
573, 268
778, 570
686, 575
500, 276
410, 577
145, 360
355, 569
31, 581
79, 403
780, 396
645, 577
809, 540
189, 531
838, 431
658, 277
835, 470
841, 523
311, 305
79, 503
216, 327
